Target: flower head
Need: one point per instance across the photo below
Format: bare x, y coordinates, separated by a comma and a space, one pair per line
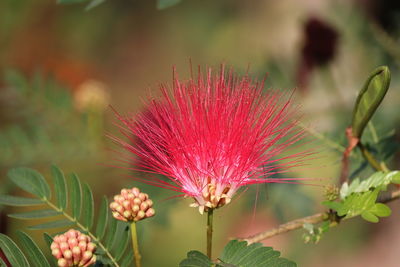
132, 205
213, 135
73, 249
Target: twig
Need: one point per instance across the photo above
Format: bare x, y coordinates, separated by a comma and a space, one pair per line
298, 223
352, 143
287, 227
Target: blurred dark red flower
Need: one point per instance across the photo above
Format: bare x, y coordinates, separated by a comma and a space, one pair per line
319, 48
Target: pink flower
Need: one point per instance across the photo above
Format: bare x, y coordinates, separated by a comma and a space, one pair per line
213, 135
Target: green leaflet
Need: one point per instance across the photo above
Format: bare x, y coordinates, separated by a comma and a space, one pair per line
19, 201
31, 181
195, 259
369, 99
34, 254
112, 228
122, 244
60, 187
127, 260
88, 214
102, 218
76, 195
52, 224
12, 252
48, 239
35, 214
378, 179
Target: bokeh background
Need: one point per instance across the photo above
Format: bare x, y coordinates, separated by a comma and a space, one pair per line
62, 66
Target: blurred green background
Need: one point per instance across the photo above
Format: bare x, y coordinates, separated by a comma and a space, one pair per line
62, 66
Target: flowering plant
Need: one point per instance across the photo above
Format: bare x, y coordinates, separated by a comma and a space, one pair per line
213, 135
209, 137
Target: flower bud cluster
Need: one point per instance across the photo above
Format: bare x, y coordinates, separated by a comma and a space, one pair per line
132, 205
73, 249
332, 192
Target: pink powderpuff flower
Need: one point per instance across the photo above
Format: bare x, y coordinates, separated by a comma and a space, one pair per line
212, 135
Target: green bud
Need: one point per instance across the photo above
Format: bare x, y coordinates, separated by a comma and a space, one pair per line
369, 99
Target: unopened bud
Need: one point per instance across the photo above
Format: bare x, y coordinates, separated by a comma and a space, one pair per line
71, 233
150, 212
142, 196
135, 191
82, 245
126, 204
63, 246
144, 206
132, 205
135, 208
127, 214
56, 253
70, 248
62, 238
67, 254
54, 246
140, 215
124, 192
87, 255
91, 247
62, 262
72, 242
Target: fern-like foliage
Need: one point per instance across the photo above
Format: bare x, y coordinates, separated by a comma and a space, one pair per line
29, 255
239, 254
360, 197
40, 119
75, 209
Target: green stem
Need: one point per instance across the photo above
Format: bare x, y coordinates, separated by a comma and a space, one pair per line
209, 231
85, 229
374, 134
135, 245
376, 140
371, 159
